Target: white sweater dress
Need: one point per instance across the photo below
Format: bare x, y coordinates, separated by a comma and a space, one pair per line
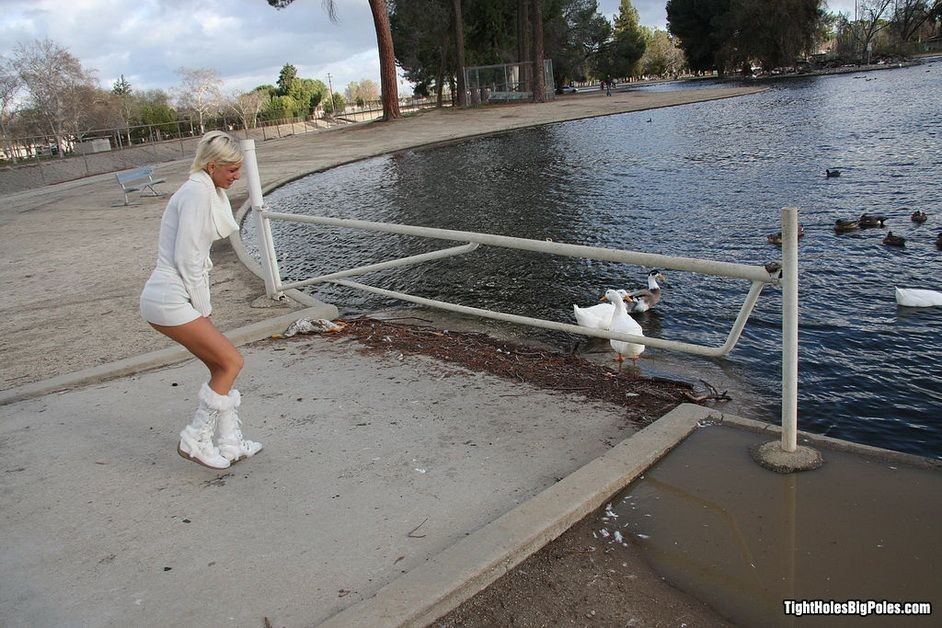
178, 289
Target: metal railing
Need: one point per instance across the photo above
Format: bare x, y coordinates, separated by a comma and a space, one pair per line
759, 276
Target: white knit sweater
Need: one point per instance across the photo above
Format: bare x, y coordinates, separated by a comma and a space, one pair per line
187, 231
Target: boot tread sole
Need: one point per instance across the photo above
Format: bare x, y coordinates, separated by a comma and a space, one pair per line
187, 456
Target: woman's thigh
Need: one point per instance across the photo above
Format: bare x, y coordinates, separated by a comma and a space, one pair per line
202, 339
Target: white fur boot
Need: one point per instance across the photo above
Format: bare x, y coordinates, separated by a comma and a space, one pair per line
232, 445
196, 439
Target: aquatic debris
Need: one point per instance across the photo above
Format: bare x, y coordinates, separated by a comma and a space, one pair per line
310, 326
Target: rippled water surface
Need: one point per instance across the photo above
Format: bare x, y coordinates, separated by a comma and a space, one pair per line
704, 180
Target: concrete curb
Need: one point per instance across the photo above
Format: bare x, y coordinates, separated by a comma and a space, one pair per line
466, 568
163, 357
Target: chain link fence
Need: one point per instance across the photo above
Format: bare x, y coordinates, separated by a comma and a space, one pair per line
506, 82
31, 162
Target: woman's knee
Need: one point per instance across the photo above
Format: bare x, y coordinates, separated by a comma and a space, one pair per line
234, 362
239, 362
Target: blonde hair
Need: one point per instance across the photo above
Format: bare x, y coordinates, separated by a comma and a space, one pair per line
218, 147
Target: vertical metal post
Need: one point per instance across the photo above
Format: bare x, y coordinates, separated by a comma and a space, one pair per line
789, 329
266, 246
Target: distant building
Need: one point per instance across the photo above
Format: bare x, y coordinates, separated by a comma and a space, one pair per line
88, 147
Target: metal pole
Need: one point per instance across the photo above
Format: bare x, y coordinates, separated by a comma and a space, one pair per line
790, 329
266, 247
398, 263
330, 93
651, 260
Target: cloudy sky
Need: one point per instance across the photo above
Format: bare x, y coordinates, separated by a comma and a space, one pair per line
246, 41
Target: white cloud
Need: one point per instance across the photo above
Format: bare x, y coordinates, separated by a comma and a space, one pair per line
246, 41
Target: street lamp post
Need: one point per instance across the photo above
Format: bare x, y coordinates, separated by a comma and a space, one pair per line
330, 94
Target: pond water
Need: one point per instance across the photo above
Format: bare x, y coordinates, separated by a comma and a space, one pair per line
706, 180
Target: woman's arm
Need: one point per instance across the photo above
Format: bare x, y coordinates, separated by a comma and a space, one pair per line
191, 247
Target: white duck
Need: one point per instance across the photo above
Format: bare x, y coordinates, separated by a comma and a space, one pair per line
596, 316
622, 322
916, 297
646, 298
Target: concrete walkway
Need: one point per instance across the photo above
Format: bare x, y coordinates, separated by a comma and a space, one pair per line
372, 466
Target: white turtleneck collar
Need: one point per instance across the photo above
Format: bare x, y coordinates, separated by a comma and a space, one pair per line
223, 220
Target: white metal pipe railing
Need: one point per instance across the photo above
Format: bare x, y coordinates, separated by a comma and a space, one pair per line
758, 275
397, 263
573, 329
271, 274
790, 329
652, 260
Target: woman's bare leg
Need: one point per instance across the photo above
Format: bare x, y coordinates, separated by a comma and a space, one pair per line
202, 339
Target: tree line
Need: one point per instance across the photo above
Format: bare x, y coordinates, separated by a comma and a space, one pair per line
729, 35
46, 92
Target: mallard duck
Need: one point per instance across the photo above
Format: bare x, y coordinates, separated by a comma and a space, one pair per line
832, 173
596, 316
916, 297
622, 322
776, 238
644, 299
919, 216
843, 226
866, 221
894, 240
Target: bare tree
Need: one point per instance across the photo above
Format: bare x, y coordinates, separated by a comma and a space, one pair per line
10, 86
910, 15
200, 92
58, 87
362, 91
368, 90
387, 54
870, 21
247, 106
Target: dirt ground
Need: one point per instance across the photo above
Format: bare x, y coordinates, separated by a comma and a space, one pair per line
581, 578
644, 398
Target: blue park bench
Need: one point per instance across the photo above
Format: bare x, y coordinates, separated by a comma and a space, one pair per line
139, 180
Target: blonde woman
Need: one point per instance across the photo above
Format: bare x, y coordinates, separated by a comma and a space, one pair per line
176, 302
